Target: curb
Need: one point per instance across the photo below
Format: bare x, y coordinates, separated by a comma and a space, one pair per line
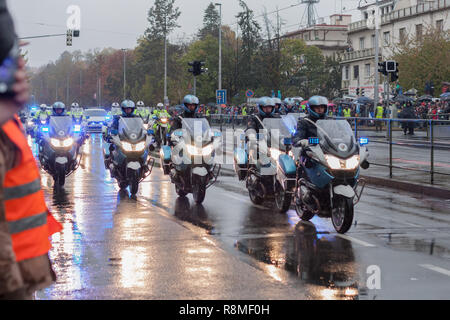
409, 187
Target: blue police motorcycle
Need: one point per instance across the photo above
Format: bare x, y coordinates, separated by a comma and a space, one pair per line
263, 161
59, 148
129, 149
328, 173
191, 163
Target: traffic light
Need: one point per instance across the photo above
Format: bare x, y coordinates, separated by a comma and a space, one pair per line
69, 38
362, 92
197, 67
394, 74
357, 91
391, 66
382, 68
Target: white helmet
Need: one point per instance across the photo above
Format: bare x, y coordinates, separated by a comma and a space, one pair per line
140, 104
74, 105
160, 105
43, 106
115, 105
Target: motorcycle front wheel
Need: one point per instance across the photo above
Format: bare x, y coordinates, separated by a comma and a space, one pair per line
282, 199
254, 197
199, 192
342, 214
60, 176
180, 191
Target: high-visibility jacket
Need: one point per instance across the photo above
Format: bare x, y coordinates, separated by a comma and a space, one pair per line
379, 114
347, 113
29, 221
244, 111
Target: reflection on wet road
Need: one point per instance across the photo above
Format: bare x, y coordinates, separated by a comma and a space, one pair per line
161, 246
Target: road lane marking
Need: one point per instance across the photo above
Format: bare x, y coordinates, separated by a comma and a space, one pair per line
246, 201
436, 269
389, 218
363, 243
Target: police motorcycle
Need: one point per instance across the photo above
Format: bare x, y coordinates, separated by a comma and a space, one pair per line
328, 176
128, 148
191, 163
162, 128
58, 149
262, 160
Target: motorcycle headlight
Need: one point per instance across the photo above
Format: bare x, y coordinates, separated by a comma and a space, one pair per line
67, 142
195, 151
140, 146
342, 164
30, 123
163, 120
43, 121
55, 142
127, 146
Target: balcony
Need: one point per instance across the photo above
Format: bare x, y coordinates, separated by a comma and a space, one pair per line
359, 55
405, 13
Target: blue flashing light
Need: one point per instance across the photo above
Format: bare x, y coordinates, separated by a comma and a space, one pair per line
44, 129
313, 141
217, 134
287, 141
77, 128
363, 141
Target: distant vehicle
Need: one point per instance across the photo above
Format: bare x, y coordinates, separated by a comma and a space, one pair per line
96, 119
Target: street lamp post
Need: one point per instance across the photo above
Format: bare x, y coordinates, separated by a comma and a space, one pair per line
377, 27
220, 47
124, 73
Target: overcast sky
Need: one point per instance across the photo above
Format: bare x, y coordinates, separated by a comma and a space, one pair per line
118, 23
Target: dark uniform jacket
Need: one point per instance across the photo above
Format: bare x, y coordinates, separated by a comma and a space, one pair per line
305, 129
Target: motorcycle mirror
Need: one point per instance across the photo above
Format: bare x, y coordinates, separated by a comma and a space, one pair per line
287, 141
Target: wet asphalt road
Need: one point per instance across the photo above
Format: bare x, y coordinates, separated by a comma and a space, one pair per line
161, 246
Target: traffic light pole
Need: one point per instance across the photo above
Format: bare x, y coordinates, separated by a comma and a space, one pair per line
195, 86
377, 52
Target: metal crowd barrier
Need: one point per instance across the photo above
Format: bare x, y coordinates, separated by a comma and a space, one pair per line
370, 124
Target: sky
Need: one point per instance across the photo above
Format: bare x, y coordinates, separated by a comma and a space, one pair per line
119, 23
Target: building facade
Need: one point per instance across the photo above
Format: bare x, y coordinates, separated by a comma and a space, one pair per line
330, 38
399, 19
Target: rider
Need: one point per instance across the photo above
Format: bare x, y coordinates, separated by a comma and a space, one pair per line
58, 109
317, 109
42, 111
190, 108
158, 109
141, 110
128, 111
278, 103
266, 109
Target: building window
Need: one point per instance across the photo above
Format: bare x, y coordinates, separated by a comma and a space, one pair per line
361, 44
355, 72
367, 69
402, 35
419, 30
387, 38
440, 25
373, 41
345, 73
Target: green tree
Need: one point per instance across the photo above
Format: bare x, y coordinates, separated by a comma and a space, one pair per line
422, 60
211, 22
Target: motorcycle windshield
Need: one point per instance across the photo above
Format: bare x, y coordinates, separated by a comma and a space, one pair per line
60, 126
285, 126
336, 137
197, 126
131, 129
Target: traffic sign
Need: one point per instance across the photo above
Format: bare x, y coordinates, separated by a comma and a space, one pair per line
249, 93
221, 96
